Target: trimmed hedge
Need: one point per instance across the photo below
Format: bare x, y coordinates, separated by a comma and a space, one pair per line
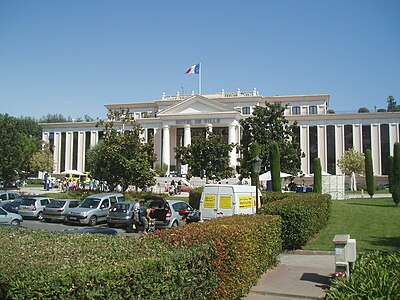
375, 276
48, 265
245, 247
302, 215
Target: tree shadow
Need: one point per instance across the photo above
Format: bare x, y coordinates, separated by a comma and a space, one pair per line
370, 204
321, 280
392, 242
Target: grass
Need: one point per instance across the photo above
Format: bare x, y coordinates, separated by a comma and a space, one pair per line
374, 223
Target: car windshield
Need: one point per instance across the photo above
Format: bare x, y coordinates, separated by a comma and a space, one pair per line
18, 199
56, 203
90, 203
120, 207
28, 202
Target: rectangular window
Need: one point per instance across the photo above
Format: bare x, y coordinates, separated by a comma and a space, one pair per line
296, 110
75, 151
312, 110
62, 154
385, 148
313, 152
246, 110
100, 135
296, 131
222, 131
87, 147
51, 142
198, 132
348, 137
331, 153
366, 137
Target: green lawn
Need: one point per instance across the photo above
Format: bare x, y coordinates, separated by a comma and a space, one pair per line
374, 223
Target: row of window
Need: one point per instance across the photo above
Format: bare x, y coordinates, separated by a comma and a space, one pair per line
312, 110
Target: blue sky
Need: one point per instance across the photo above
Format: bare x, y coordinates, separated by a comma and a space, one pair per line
72, 57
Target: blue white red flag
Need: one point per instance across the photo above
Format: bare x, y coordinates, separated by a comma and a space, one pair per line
195, 69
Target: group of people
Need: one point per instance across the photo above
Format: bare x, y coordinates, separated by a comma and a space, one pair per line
67, 185
142, 218
173, 187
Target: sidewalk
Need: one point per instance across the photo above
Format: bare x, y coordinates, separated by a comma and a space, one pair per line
298, 276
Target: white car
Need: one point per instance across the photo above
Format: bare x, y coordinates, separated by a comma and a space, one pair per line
8, 218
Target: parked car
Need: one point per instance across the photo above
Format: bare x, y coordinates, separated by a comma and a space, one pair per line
7, 197
9, 218
57, 209
94, 209
92, 230
168, 213
120, 214
32, 207
14, 205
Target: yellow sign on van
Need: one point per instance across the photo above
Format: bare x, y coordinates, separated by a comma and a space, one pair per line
209, 201
225, 202
245, 202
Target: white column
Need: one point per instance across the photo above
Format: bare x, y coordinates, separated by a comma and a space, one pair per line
187, 136
232, 139
94, 137
81, 151
68, 149
45, 137
393, 136
321, 137
376, 148
57, 152
357, 138
165, 147
304, 145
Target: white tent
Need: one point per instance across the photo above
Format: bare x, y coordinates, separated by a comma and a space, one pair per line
267, 176
73, 172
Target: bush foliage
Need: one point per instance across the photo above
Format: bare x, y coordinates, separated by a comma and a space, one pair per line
302, 215
375, 276
194, 197
48, 265
245, 247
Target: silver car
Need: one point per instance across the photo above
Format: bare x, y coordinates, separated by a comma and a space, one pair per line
7, 197
58, 209
32, 207
120, 214
94, 208
9, 218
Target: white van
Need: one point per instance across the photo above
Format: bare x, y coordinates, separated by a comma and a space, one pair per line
221, 200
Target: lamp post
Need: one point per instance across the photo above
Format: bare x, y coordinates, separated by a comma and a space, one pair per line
256, 169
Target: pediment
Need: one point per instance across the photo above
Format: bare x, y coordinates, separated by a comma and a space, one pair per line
196, 105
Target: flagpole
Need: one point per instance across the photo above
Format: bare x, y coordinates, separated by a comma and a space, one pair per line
199, 78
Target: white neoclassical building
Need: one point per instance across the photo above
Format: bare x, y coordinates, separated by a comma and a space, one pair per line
173, 120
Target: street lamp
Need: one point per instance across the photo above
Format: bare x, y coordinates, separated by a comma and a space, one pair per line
256, 169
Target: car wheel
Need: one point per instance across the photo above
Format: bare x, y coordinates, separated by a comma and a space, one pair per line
92, 221
15, 222
174, 224
40, 216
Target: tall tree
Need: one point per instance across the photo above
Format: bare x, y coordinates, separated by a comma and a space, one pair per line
43, 160
254, 151
268, 124
369, 173
317, 176
352, 161
207, 154
396, 175
123, 157
53, 118
276, 167
390, 172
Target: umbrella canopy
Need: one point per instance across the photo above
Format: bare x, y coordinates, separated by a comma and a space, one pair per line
73, 172
267, 176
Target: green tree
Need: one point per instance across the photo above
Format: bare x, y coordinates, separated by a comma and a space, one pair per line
275, 167
390, 172
369, 173
207, 154
317, 176
362, 110
53, 118
16, 148
161, 170
122, 157
43, 160
268, 125
352, 161
396, 175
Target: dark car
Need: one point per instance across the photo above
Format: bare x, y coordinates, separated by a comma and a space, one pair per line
168, 213
57, 209
93, 230
121, 214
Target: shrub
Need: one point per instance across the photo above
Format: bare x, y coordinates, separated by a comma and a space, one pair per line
369, 173
317, 176
396, 175
245, 247
194, 197
375, 276
48, 265
302, 215
276, 167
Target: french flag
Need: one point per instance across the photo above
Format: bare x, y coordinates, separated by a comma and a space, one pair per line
193, 69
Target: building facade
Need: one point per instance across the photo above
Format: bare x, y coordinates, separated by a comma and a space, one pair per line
173, 120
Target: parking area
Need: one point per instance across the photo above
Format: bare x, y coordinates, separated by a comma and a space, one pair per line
53, 226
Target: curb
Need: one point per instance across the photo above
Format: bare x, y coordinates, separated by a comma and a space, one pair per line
308, 252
